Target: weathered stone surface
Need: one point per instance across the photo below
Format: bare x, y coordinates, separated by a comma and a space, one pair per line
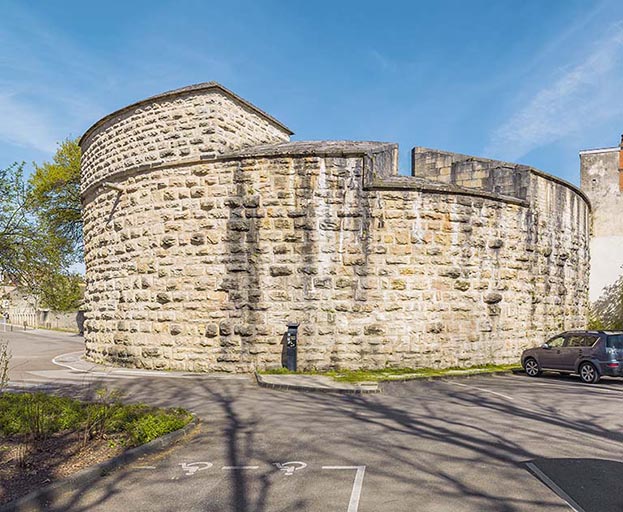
280, 270
373, 329
211, 331
207, 258
492, 298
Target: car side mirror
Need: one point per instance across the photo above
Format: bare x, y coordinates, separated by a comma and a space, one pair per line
545, 345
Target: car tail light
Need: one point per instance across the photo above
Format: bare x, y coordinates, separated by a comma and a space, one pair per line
612, 365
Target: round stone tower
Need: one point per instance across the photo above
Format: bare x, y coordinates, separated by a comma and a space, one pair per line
143, 191
207, 232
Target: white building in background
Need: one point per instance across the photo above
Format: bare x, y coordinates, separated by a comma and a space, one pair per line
601, 172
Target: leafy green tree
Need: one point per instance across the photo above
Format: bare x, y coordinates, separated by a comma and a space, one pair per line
607, 312
55, 196
61, 292
27, 249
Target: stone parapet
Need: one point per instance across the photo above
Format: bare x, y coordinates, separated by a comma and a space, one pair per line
483, 174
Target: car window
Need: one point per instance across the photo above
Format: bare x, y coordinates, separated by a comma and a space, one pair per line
615, 341
574, 341
556, 342
580, 341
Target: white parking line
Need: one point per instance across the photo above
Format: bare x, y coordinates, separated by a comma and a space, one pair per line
288, 469
353, 504
126, 373
112, 370
65, 365
550, 483
568, 385
484, 390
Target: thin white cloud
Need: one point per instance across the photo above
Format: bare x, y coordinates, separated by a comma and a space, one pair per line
52, 86
385, 63
23, 125
582, 94
46, 81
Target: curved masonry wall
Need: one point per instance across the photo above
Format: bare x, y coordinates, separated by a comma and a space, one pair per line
196, 122
200, 265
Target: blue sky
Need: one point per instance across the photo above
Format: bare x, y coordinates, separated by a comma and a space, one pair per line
526, 81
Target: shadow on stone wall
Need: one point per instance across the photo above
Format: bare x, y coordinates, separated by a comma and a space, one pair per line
607, 311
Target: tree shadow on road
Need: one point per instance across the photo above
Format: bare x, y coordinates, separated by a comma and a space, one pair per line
424, 443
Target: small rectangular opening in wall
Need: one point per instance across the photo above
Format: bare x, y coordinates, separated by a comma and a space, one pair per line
620, 180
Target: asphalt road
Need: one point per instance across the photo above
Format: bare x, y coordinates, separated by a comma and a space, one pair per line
33, 351
501, 443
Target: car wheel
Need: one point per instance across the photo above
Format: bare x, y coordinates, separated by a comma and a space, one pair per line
532, 367
588, 373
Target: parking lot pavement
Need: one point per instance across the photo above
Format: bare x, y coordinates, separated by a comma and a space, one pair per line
507, 443
216, 486
456, 445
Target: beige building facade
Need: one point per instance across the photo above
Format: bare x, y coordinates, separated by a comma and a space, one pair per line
601, 172
207, 231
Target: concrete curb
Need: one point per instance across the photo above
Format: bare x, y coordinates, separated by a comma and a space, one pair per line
312, 389
451, 376
39, 499
359, 391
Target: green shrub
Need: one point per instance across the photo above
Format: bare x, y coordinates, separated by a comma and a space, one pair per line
100, 414
157, 423
38, 415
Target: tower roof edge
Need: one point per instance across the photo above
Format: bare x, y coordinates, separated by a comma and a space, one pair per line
183, 90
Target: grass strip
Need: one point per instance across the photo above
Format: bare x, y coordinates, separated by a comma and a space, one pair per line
389, 374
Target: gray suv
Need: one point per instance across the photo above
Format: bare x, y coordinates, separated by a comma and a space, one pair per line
591, 354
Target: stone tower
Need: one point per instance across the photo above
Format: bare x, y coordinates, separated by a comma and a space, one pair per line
602, 180
207, 232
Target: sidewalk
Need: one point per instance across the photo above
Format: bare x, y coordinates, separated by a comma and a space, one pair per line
74, 362
318, 383
53, 358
